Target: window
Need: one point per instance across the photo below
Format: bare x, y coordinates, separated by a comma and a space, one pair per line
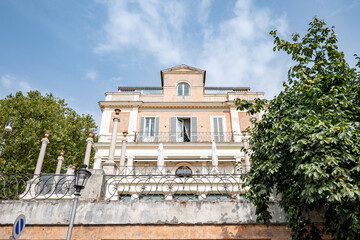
183, 171
217, 197
218, 129
183, 129
185, 197
152, 197
125, 197
149, 129
183, 89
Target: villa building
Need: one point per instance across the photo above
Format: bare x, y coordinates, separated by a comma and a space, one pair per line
182, 128
168, 164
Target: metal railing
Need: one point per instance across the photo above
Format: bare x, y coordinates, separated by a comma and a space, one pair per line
141, 183
44, 186
185, 170
172, 187
183, 137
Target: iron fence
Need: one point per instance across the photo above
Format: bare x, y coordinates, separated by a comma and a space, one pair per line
183, 137
44, 186
173, 187
183, 170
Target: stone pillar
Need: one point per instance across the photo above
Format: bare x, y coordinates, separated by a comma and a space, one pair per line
97, 161
44, 143
235, 123
90, 142
71, 169
58, 170
160, 159
109, 166
70, 172
60, 161
123, 153
130, 165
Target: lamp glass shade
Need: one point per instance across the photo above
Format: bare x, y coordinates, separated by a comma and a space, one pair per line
81, 177
8, 128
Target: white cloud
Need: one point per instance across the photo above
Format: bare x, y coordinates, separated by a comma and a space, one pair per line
149, 26
204, 11
237, 50
240, 51
6, 81
11, 84
24, 86
91, 75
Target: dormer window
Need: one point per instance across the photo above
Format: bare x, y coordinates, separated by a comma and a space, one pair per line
183, 89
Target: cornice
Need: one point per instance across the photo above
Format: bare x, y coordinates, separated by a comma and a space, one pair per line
172, 105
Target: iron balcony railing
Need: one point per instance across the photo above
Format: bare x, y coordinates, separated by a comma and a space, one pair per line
181, 183
176, 183
182, 171
170, 187
44, 186
183, 137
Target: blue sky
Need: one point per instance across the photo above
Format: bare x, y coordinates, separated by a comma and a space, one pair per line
78, 50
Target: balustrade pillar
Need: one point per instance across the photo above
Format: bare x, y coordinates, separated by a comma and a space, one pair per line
60, 161
109, 166
44, 142
90, 142
130, 165
160, 159
123, 153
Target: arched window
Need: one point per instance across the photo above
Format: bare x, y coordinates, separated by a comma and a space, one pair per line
183, 171
183, 89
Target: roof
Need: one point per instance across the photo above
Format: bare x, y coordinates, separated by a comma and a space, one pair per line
179, 67
138, 88
188, 69
242, 89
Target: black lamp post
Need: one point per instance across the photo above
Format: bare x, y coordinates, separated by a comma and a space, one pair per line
81, 177
6, 133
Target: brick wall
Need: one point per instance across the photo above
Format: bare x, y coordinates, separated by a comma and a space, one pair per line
83, 232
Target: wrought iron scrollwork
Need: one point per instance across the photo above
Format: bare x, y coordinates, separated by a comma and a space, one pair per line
44, 186
173, 187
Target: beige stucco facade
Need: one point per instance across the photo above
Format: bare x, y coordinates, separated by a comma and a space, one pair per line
197, 127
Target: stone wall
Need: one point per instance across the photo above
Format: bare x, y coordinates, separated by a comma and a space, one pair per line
142, 219
134, 212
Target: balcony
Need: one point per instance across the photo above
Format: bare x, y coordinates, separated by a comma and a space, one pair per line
183, 137
175, 183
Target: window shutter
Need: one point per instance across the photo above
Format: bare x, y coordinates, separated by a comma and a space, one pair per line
215, 129
156, 130
173, 129
141, 132
221, 129
193, 129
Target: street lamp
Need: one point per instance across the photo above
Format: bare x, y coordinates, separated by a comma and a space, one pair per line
81, 177
7, 131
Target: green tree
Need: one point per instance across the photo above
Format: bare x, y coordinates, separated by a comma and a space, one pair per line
33, 115
305, 150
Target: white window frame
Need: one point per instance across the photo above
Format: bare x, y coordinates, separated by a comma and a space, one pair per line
146, 136
223, 128
182, 85
179, 136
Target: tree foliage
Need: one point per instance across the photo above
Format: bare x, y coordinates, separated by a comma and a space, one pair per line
305, 150
33, 115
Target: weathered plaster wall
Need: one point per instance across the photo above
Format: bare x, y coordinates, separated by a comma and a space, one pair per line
134, 212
